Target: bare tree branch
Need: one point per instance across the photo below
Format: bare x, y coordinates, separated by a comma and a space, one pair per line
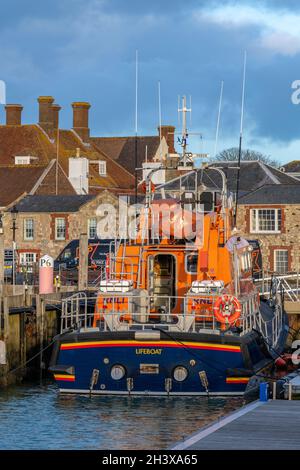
232, 154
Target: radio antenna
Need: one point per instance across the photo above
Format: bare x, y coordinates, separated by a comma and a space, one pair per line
136, 124
241, 138
159, 119
184, 137
218, 120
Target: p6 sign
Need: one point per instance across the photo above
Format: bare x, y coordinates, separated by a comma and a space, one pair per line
46, 261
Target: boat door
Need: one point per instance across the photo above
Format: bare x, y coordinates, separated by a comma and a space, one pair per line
162, 280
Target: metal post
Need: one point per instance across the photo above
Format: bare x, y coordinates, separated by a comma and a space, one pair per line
274, 390
290, 390
298, 281
14, 213
40, 314
83, 262
1, 257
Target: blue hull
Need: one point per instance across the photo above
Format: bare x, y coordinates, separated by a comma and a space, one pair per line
149, 365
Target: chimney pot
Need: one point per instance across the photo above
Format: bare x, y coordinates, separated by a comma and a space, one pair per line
81, 119
46, 112
168, 132
55, 115
13, 114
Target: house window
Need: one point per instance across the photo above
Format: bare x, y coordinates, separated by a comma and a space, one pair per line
22, 160
265, 220
92, 227
102, 168
27, 260
281, 261
28, 229
60, 228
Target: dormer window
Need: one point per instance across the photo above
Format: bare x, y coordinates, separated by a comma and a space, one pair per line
102, 168
24, 159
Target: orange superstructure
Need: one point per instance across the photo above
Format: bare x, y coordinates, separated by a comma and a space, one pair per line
170, 269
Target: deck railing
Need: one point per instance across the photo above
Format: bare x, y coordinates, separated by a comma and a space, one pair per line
124, 312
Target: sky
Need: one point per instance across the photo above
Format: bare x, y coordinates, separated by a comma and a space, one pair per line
84, 50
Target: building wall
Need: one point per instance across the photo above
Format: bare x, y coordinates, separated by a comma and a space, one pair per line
44, 223
287, 239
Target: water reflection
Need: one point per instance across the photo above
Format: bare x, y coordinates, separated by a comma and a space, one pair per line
34, 417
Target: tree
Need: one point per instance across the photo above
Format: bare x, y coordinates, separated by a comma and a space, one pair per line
232, 154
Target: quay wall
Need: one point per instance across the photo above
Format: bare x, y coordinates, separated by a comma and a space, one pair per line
27, 325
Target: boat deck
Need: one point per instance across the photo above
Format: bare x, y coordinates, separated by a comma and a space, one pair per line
260, 425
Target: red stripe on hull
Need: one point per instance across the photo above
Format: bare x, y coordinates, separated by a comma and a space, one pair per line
87, 346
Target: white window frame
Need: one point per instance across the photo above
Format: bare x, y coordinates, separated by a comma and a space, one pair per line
277, 250
24, 262
25, 228
102, 167
22, 160
57, 237
89, 227
257, 209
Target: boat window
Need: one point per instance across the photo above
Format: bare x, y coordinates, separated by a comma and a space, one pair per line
207, 199
191, 261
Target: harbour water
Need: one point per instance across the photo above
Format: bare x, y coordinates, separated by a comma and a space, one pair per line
37, 417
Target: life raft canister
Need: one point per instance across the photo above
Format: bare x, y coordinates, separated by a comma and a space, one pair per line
227, 309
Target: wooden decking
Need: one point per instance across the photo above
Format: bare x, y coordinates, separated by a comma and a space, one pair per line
263, 426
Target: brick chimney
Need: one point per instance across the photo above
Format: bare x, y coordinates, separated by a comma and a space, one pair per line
13, 114
168, 133
81, 119
46, 112
55, 115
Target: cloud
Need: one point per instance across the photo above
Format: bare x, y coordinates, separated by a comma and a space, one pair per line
85, 50
279, 30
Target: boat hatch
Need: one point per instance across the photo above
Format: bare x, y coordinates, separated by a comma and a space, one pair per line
162, 276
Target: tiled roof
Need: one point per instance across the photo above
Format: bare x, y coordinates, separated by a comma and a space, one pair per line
282, 177
253, 175
293, 166
117, 176
269, 194
32, 140
48, 183
15, 181
25, 140
61, 204
122, 149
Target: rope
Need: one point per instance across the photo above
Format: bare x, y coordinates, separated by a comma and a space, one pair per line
31, 359
36, 355
188, 349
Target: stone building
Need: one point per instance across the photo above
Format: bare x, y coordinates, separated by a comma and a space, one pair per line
272, 215
45, 224
268, 208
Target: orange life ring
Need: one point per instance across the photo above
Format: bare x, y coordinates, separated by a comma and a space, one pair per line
227, 309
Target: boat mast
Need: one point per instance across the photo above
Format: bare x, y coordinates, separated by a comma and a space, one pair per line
240, 142
218, 120
136, 125
184, 110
